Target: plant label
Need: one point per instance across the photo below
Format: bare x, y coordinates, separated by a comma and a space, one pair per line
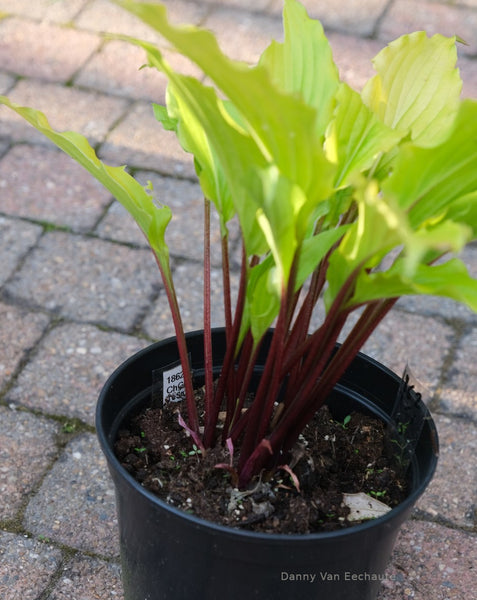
173, 383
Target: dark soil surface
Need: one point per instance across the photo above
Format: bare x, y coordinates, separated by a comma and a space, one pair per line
331, 458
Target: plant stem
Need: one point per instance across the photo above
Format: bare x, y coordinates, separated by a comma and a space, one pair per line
181, 345
208, 360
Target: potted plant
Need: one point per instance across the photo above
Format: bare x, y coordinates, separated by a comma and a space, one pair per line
343, 198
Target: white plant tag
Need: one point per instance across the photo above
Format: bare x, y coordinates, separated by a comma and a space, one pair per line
363, 507
173, 383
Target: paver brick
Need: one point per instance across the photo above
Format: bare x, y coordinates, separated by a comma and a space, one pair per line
415, 341
27, 447
87, 112
45, 10
405, 16
6, 82
158, 323
118, 225
451, 495
46, 185
468, 72
353, 57
75, 504
140, 141
184, 234
116, 69
431, 561
458, 394
242, 36
43, 50
16, 239
69, 369
251, 5
20, 331
88, 279
95, 578
102, 15
356, 17
26, 566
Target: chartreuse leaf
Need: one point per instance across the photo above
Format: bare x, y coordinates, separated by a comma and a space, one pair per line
223, 148
314, 250
450, 279
304, 63
426, 181
264, 292
379, 227
416, 89
464, 210
356, 136
282, 125
152, 219
193, 138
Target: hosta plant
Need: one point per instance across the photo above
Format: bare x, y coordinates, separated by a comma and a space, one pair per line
346, 199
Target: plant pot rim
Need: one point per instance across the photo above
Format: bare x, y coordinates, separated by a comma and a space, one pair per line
201, 523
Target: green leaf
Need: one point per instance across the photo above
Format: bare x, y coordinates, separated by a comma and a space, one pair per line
132, 195
314, 250
193, 138
224, 151
450, 280
426, 181
464, 210
281, 124
304, 63
356, 136
417, 86
264, 292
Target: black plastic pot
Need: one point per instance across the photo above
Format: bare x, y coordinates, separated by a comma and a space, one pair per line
169, 555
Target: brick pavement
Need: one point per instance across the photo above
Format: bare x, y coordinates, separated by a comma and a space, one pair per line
78, 294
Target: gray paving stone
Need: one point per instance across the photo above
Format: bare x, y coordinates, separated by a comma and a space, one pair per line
458, 394
421, 343
27, 447
88, 279
95, 578
55, 12
158, 323
405, 16
452, 493
243, 36
6, 82
69, 369
118, 225
116, 69
468, 72
250, 5
356, 17
101, 15
16, 239
185, 232
431, 561
26, 566
22, 329
43, 50
47, 185
75, 504
353, 57
89, 113
140, 141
